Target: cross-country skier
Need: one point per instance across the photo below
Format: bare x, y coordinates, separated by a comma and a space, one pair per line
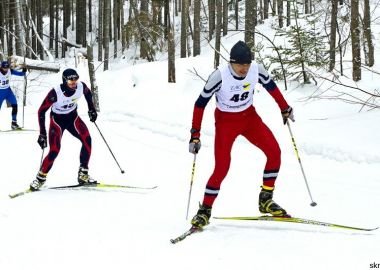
6, 91
233, 86
64, 116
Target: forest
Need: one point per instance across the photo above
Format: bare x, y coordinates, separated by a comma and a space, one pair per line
313, 39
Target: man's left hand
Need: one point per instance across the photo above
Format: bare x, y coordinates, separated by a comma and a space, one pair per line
93, 115
287, 114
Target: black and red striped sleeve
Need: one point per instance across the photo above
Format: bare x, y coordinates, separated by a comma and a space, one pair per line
88, 96
50, 98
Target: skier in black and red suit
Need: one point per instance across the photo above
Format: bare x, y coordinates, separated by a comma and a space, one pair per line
64, 116
233, 86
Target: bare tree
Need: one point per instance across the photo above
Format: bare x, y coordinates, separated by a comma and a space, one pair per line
219, 16
19, 32
368, 44
250, 15
211, 17
266, 8
236, 15
184, 27
56, 44
39, 16
100, 30
51, 24
81, 22
288, 12
333, 29
355, 41
280, 8
90, 15
225, 17
197, 28
91, 72
171, 46
106, 32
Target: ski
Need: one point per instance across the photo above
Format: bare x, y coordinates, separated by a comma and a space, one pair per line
186, 234
18, 194
78, 186
101, 185
19, 129
298, 220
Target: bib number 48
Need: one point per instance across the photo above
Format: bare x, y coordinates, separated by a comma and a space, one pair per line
238, 97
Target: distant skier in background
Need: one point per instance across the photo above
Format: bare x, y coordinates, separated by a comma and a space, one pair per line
233, 86
64, 116
6, 91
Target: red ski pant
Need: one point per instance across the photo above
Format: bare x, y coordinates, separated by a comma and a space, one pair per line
73, 124
228, 126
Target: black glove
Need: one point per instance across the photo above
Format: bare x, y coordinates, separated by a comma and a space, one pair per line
195, 142
93, 115
24, 69
42, 141
287, 114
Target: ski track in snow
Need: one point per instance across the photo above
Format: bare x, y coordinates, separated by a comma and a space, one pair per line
179, 131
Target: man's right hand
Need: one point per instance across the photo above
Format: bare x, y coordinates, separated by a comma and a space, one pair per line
42, 141
195, 142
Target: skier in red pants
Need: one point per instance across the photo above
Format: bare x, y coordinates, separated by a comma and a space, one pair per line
233, 86
64, 116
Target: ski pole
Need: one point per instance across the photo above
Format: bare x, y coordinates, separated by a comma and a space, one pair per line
191, 184
121, 170
313, 203
42, 157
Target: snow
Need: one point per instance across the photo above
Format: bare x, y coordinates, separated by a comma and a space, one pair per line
146, 122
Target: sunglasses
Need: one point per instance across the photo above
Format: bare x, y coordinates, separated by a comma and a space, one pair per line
72, 80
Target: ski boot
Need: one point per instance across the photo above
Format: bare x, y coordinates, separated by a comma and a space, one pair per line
268, 206
84, 178
15, 126
38, 182
202, 217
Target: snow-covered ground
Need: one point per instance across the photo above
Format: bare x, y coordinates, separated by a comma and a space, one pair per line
147, 127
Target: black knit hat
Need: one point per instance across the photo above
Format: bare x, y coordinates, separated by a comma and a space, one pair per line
69, 74
240, 53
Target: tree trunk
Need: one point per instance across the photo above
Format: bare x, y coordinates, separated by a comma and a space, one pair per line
81, 16
219, 15
184, 27
250, 14
65, 24
368, 34
100, 30
197, 28
266, 8
211, 16
56, 28
115, 26
91, 72
355, 41
90, 15
39, 16
19, 32
280, 8
288, 12
236, 15
225, 17
106, 33
51, 24
10, 37
333, 29
171, 48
